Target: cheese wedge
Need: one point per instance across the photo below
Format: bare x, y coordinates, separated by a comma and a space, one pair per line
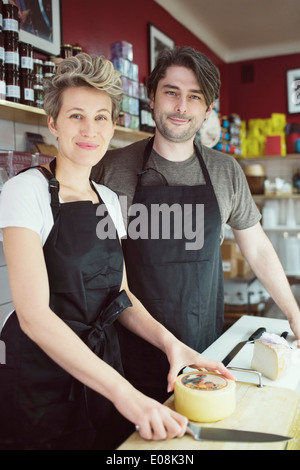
204, 396
271, 356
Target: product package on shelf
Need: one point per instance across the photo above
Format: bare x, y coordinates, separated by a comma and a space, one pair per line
230, 135
265, 137
13, 162
122, 59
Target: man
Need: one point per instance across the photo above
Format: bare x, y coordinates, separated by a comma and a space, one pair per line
182, 195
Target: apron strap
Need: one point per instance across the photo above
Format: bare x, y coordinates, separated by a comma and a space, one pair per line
147, 152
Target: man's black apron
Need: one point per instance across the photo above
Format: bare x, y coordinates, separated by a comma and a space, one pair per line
182, 288
40, 403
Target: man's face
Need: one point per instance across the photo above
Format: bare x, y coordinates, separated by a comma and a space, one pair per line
179, 107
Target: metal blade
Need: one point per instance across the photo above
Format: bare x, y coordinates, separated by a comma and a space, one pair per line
233, 353
257, 334
234, 435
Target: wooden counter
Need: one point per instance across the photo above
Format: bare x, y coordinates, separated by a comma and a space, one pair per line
267, 409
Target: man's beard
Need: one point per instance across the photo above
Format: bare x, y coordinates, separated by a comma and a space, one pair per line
174, 133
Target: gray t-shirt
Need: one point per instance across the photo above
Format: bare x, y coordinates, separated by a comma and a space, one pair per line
119, 168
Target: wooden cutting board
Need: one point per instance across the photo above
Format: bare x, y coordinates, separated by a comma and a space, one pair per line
267, 409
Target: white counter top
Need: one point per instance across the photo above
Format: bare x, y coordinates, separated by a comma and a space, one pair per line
240, 331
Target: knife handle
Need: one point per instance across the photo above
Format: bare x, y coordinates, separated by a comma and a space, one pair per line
257, 334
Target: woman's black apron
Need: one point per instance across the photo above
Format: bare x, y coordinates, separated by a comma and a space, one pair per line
40, 403
182, 288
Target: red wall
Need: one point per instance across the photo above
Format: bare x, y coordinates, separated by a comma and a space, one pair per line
267, 92
95, 25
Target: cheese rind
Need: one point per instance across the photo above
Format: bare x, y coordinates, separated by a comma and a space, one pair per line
204, 396
271, 356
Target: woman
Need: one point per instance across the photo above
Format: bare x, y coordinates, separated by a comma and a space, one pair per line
62, 382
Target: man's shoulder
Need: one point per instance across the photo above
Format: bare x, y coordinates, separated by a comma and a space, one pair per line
133, 150
214, 157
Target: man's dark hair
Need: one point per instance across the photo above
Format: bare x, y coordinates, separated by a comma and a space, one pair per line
207, 73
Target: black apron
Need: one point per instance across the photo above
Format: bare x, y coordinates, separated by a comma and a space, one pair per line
182, 288
41, 405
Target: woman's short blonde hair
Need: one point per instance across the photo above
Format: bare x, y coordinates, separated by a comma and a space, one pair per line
83, 70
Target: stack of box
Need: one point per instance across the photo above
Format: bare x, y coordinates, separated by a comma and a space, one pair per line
234, 264
230, 137
122, 59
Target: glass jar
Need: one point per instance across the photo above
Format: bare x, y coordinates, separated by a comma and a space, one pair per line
26, 57
1, 15
13, 90
11, 51
11, 19
38, 71
1, 48
48, 69
27, 91
76, 50
2, 83
38, 96
66, 51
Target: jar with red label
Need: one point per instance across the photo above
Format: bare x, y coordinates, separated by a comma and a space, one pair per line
11, 52
13, 90
27, 91
2, 83
11, 19
26, 57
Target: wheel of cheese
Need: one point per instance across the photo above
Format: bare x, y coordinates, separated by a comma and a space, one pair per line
204, 396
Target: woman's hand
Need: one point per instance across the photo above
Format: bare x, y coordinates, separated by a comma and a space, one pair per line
180, 356
153, 420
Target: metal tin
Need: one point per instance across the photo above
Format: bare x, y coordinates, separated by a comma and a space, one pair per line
11, 51
66, 51
11, 19
13, 90
38, 96
26, 57
27, 91
2, 83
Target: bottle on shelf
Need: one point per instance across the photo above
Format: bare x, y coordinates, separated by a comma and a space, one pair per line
296, 180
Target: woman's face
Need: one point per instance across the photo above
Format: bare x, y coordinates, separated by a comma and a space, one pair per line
84, 125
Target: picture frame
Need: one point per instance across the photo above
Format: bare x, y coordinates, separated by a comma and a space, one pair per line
40, 25
293, 90
158, 41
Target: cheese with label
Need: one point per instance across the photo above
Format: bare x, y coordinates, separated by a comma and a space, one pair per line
271, 356
204, 396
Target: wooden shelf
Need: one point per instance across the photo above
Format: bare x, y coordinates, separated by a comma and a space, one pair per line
292, 156
259, 197
10, 111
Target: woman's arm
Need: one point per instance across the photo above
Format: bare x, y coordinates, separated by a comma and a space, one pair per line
30, 293
138, 320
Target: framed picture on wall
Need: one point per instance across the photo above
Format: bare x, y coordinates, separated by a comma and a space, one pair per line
40, 24
293, 90
158, 41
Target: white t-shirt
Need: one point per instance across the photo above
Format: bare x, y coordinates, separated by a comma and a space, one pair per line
25, 202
